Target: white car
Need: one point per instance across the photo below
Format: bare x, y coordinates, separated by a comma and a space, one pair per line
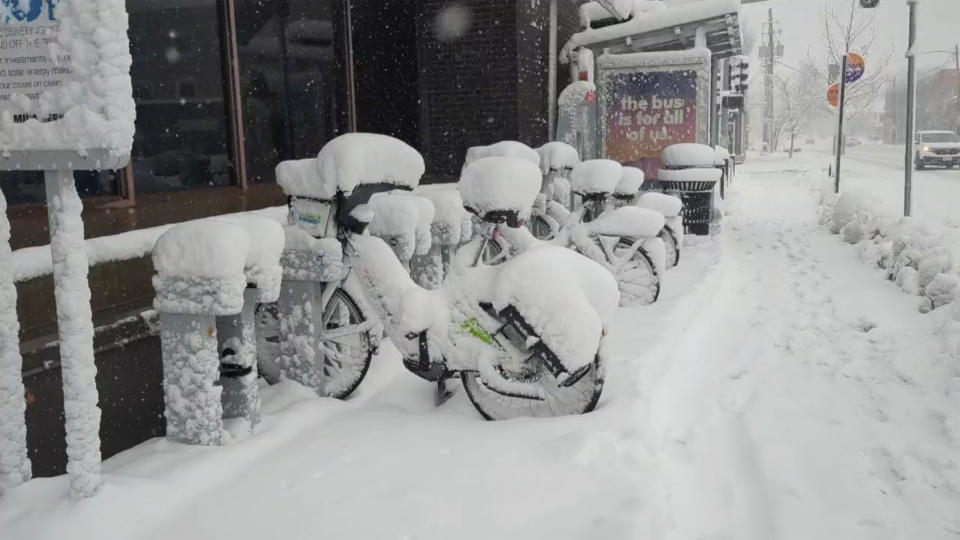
940, 148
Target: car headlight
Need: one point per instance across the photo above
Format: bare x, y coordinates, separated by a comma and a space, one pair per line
926, 148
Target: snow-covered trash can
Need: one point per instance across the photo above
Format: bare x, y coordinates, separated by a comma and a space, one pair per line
690, 172
200, 276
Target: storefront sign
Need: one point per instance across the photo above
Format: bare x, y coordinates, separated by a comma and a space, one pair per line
28, 38
649, 107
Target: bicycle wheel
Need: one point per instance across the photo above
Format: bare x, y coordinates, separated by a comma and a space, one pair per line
637, 278
671, 246
346, 345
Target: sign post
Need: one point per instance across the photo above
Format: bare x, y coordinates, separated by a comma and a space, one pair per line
65, 83
911, 113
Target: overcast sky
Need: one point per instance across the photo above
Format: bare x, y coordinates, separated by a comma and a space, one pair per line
802, 24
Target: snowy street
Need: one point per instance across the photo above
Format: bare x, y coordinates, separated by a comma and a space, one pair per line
781, 388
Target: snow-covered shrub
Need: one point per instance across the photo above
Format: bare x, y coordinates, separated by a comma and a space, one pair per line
941, 291
852, 233
907, 278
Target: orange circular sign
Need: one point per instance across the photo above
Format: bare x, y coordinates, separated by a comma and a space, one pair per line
833, 94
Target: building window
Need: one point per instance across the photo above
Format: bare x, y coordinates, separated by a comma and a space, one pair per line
26, 187
181, 139
291, 81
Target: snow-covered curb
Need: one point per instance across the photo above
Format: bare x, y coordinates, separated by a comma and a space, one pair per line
33, 262
921, 258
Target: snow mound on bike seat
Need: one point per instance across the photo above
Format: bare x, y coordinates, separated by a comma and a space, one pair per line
301, 177
668, 205
353, 159
688, 155
500, 184
565, 297
596, 176
450, 218
630, 182
628, 221
689, 175
511, 149
557, 156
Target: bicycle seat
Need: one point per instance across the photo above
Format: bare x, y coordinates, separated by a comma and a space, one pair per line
500, 189
668, 205
596, 177
628, 221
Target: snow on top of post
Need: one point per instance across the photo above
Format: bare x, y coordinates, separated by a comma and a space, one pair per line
353, 159
511, 149
630, 182
556, 156
668, 205
211, 248
266, 240
95, 98
500, 183
650, 21
689, 155
596, 176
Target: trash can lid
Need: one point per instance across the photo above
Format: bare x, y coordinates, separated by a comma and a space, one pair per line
689, 155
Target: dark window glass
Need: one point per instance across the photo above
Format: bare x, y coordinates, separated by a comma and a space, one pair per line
292, 85
26, 187
182, 138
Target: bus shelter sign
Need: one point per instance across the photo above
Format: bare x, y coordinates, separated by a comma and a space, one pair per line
649, 101
28, 61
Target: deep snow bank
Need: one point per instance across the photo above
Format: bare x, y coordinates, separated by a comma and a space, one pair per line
920, 257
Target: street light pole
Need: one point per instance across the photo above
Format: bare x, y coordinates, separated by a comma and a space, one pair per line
911, 112
840, 105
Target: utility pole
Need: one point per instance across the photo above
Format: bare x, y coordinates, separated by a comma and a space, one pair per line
911, 109
956, 60
768, 115
843, 99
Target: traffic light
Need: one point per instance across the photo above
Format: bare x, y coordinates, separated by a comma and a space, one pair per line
869, 3
739, 72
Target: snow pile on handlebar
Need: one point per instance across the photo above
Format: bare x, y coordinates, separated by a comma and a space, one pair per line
596, 176
557, 156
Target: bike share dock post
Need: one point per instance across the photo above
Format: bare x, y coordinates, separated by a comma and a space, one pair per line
200, 276
236, 334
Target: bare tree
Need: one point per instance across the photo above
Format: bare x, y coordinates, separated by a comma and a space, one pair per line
798, 105
852, 29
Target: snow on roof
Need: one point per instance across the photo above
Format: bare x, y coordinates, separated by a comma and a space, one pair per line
556, 156
513, 149
650, 21
594, 11
695, 55
596, 176
689, 155
630, 182
500, 183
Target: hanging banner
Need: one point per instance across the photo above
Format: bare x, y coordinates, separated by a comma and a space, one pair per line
650, 101
855, 67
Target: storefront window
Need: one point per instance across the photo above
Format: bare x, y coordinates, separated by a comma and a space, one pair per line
291, 82
181, 139
26, 187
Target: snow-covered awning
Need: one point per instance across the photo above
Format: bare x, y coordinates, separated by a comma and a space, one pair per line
674, 27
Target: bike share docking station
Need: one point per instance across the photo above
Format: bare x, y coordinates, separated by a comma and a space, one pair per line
211, 275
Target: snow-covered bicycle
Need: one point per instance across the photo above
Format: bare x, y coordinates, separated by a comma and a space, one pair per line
625, 240
627, 193
524, 337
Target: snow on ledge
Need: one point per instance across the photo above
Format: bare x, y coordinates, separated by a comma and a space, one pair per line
33, 262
